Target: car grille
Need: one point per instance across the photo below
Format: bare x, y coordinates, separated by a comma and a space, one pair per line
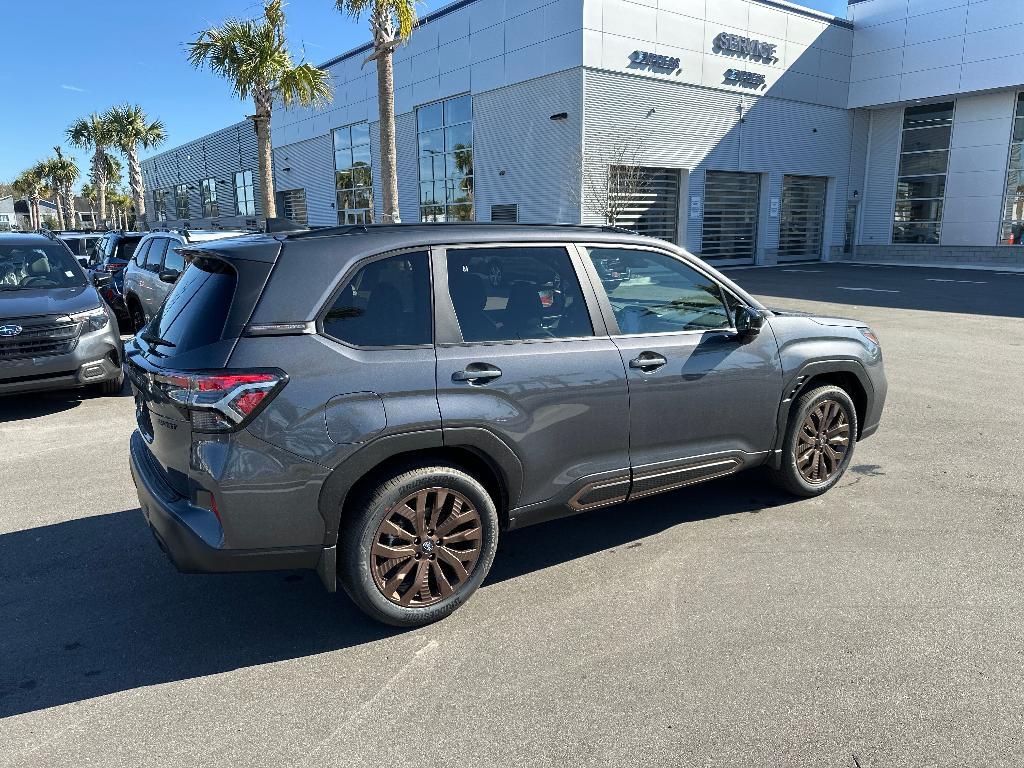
39, 338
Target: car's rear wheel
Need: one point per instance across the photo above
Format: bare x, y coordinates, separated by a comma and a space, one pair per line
418, 544
819, 442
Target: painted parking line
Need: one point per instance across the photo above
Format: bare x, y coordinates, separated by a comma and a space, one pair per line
949, 280
805, 271
873, 290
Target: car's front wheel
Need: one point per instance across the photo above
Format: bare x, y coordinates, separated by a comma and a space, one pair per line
418, 544
819, 442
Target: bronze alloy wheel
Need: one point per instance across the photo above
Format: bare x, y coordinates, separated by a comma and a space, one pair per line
823, 442
426, 547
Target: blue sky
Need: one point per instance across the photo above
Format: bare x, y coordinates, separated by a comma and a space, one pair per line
63, 63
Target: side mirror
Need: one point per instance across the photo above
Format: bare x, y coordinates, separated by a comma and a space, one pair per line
169, 275
748, 322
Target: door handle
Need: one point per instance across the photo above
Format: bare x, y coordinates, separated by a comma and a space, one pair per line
477, 372
648, 361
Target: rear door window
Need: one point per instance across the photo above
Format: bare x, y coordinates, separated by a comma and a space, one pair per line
516, 294
385, 304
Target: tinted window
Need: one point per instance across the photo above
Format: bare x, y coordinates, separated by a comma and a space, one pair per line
126, 247
507, 294
173, 259
156, 253
196, 308
140, 254
386, 304
655, 293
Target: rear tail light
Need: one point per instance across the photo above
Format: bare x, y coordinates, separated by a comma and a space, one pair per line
224, 401
113, 267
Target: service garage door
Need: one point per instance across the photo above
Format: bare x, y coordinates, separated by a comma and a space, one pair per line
647, 200
730, 217
802, 222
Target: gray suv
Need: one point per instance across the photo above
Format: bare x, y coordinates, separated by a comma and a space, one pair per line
367, 402
55, 331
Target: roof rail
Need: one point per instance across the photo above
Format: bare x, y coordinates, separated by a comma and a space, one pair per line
362, 229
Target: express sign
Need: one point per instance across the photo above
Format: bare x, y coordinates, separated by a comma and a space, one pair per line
745, 46
655, 60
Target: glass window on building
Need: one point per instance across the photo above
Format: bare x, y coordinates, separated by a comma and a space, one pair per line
353, 175
181, 200
921, 185
245, 197
160, 204
1013, 206
209, 190
445, 137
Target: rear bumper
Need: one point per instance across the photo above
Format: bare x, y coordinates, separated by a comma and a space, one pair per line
96, 358
191, 536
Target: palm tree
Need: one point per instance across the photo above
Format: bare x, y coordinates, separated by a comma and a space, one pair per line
253, 56
30, 183
391, 22
61, 174
93, 132
132, 129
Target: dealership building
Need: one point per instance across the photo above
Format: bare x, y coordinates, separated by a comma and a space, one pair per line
765, 132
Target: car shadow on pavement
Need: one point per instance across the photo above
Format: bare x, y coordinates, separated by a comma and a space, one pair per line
91, 606
39, 404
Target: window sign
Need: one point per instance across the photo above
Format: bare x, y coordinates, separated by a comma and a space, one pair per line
695, 207
773, 208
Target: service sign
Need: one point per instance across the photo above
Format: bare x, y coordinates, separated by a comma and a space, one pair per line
745, 46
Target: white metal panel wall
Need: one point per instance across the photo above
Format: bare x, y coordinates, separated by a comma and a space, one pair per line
700, 128
919, 49
976, 180
312, 169
218, 155
523, 156
879, 195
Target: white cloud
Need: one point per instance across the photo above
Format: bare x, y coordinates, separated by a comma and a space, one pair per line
74, 88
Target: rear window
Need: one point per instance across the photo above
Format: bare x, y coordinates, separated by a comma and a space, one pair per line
125, 248
196, 309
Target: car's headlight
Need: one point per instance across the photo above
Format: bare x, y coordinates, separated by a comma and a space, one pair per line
95, 319
868, 334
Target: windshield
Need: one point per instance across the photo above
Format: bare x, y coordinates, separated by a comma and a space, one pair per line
38, 265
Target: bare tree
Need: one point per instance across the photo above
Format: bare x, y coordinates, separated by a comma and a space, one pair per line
613, 178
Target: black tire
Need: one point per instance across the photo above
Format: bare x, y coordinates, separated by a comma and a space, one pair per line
137, 316
111, 386
789, 476
358, 567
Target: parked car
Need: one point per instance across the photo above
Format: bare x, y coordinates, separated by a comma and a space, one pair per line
55, 332
361, 402
83, 245
155, 266
112, 255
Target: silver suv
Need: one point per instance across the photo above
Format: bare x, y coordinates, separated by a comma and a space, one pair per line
371, 403
155, 267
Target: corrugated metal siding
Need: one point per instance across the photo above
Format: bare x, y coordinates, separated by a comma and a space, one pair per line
513, 133
218, 155
312, 169
408, 172
701, 128
880, 176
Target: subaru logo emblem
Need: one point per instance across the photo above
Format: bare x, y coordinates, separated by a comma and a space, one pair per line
7, 331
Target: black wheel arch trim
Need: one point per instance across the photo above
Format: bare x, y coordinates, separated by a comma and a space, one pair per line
487, 446
795, 384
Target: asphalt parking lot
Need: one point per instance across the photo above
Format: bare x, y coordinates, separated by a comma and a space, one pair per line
723, 625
